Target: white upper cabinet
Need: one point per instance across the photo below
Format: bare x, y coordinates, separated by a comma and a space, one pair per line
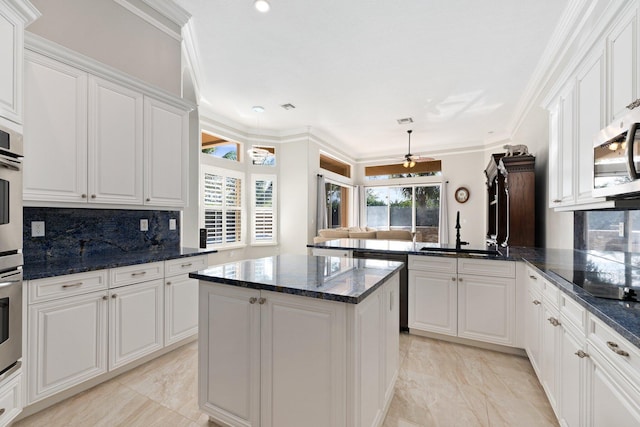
96, 140
561, 144
55, 131
622, 46
166, 141
115, 143
14, 15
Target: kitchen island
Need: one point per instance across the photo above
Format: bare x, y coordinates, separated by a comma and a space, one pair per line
295, 340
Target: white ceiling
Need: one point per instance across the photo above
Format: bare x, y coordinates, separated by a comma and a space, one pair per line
352, 67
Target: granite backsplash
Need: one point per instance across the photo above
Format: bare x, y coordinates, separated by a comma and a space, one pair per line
81, 233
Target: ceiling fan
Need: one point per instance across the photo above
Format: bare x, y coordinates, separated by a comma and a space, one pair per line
411, 159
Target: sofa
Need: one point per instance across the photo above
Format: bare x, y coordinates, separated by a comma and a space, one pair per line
327, 234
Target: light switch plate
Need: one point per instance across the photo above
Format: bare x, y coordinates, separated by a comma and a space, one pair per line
37, 228
144, 225
172, 224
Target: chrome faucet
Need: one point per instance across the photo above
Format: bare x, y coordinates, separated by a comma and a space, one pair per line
458, 242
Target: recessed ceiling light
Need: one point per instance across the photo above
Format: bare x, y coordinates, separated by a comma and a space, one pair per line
288, 106
262, 5
405, 121
258, 109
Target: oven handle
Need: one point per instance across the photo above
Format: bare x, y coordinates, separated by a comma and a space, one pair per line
8, 278
631, 137
9, 163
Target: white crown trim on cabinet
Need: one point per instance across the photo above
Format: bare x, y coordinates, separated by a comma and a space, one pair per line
169, 10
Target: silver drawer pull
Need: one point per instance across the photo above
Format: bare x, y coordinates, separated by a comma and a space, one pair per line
581, 354
614, 347
536, 302
557, 201
531, 276
187, 265
553, 321
140, 273
71, 285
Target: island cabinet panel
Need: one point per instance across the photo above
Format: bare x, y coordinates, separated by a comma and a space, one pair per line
272, 359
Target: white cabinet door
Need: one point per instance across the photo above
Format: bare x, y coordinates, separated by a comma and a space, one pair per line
611, 399
392, 339
67, 343
230, 373
590, 108
550, 342
486, 308
11, 60
571, 378
622, 45
292, 393
433, 302
115, 143
166, 154
554, 155
533, 324
181, 308
135, 322
55, 131
567, 121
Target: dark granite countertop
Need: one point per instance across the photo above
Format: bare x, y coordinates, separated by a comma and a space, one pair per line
340, 279
622, 316
107, 259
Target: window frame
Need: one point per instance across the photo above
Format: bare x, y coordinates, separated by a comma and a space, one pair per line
274, 208
224, 173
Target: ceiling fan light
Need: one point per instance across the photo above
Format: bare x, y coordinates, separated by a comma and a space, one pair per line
412, 164
262, 5
405, 163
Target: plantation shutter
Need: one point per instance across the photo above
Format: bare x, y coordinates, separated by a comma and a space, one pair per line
213, 208
263, 230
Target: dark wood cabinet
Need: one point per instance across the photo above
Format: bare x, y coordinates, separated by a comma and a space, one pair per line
511, 200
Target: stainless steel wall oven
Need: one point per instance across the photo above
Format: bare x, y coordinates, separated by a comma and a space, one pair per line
11, 260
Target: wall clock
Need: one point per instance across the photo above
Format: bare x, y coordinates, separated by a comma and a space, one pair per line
462, 194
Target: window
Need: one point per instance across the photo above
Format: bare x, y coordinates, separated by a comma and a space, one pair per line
223, 212
431, 168
335, 165
220, 148
264, 209
337, 205
263, 156
414, 208
608, 230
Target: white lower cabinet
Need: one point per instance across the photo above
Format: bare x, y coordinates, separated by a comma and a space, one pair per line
533, 319
67, 343
465, 297
135, 322
11, 397
275, 360
550, 334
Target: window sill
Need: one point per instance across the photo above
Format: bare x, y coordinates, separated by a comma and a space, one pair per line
227, 248
264, 244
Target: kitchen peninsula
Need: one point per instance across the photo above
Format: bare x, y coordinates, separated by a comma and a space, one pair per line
295, 340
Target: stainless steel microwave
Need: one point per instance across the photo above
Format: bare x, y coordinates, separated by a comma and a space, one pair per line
616, 158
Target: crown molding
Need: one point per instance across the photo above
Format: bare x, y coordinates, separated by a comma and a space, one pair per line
24, 9
191, 56
165, 10
170, 10
37, 44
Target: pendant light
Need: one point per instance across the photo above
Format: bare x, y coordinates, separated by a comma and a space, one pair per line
408, 158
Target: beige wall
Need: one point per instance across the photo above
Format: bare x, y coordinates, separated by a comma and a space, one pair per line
107, 32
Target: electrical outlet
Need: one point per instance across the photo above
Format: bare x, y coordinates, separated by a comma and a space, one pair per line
144, 225
172, 224
621, 229
37, 228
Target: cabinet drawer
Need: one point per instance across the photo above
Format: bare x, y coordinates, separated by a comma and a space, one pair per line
535, 280
185, 265
573, 312
136, 273
10, 399
550, 292
64, 286
433, 264
485, 267
620, 352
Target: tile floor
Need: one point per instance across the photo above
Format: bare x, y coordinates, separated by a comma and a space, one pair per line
440, 384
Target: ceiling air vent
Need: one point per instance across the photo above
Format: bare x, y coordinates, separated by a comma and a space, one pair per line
405, 121
288, 106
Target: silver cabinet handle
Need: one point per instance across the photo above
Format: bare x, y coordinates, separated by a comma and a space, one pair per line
104, 297
187, 265
140, 273
168, 283
253, 300
536, 302
262, 300
114, 296
553, 321
71, 285
531, 276
614, 347
148, 199
93, 196
557, 201
581, 354
460, 279
84, 196
453, 279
